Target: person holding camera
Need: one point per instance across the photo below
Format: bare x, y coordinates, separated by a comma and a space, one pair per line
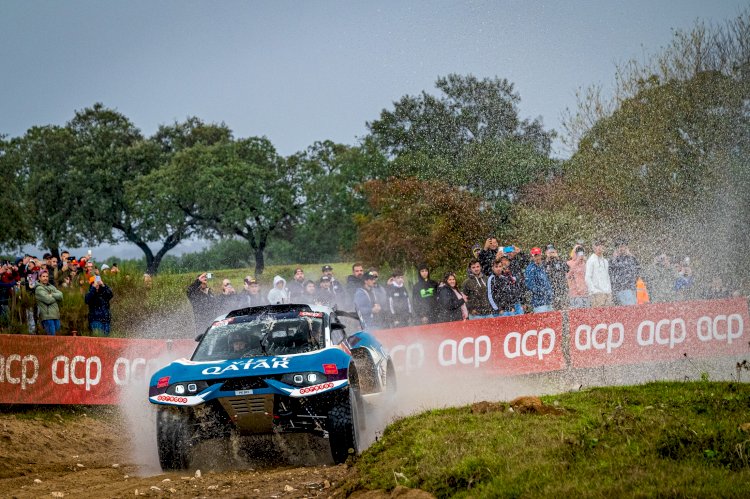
97, 299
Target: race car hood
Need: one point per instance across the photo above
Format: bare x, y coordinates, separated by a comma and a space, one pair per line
186, 370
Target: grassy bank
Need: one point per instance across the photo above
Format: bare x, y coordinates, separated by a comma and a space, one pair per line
660, 439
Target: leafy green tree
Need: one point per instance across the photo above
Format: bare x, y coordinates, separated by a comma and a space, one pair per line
14, 216
470, 136
468, 111
239, 189
332, 173
112, 163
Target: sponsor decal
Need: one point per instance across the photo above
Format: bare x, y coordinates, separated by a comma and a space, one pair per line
315, 388
330, 369
222, 322
163, 382
310, 314
260, 363
171, 398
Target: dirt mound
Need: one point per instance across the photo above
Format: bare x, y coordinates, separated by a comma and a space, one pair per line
86, 453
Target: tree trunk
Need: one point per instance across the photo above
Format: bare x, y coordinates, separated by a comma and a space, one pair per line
260, 262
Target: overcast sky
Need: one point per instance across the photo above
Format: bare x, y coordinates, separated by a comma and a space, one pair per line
303, 71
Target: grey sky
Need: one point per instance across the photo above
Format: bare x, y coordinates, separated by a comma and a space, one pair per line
303, 71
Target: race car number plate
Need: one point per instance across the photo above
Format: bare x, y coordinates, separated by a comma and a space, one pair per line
243, 392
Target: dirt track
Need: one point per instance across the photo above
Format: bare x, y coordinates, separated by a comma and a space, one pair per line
76, 455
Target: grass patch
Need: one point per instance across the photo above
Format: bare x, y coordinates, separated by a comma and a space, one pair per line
658, 439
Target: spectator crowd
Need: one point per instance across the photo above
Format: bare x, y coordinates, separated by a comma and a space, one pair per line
499, 281
31, 290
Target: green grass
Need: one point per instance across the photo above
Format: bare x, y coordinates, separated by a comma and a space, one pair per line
659, 439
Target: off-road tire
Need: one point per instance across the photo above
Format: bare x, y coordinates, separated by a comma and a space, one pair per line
174, 439
343, 431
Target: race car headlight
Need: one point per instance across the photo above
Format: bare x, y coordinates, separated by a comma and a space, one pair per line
304, 379
188, 387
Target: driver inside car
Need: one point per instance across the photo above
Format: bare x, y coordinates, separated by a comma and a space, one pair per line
237, 345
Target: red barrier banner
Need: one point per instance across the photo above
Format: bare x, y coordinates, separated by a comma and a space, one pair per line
658, 332
519, 344
79, 370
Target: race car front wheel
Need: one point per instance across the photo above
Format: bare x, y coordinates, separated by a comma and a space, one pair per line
174, 439
343, 431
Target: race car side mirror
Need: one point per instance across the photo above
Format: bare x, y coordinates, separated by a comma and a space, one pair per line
199, 337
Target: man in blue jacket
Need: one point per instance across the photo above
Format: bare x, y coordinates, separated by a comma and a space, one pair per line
538, 283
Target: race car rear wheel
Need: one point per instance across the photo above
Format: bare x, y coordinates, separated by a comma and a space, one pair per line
343, 431
174, 439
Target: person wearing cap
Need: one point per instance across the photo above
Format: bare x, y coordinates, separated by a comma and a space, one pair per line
597, 277
203, 302
624, 271
104, 269
503, 289
488, 254
336, 287
475, 289
97, 299
297, 286
578, 292
399, 303
368, 309
557, 271
423, 296
250, 296
48, 298
518, 263
537, 281
325, 294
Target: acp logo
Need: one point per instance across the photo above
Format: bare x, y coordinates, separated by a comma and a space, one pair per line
532, 343
601, 337
712, 329
452, 352
650, 332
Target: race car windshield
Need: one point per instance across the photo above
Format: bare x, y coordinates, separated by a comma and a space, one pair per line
243, 337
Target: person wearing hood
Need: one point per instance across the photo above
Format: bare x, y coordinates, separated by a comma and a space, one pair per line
475, 289
278, 293
423, 296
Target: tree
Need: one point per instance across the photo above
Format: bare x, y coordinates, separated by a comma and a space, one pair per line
469, 111
471, 136
14, 215
113, 162
332, 173
240, 189
416, 221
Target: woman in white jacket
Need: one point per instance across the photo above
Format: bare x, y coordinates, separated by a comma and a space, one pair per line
597, 277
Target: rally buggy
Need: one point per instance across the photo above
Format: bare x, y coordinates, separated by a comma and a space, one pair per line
270, 370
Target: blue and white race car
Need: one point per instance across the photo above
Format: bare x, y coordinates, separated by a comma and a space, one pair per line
271, 369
